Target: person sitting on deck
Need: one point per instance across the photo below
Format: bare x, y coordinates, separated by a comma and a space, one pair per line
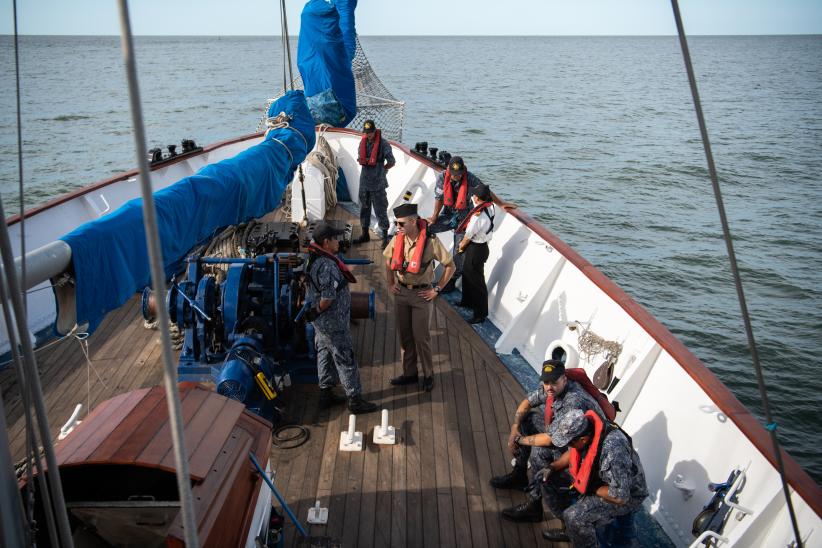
328, 280
606, 472
375, 158
534, 427
410, 275
477, 228
451, 191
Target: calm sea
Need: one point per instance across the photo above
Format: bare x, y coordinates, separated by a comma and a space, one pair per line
595, 137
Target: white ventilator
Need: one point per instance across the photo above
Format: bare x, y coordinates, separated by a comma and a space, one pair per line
351, 440
318, 515
384, 434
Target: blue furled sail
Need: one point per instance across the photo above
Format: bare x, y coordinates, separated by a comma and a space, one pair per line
109, 255
328, 41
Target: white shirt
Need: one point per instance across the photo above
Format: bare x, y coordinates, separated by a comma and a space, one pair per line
478, 227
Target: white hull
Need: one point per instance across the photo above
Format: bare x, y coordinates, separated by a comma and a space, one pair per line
687, 427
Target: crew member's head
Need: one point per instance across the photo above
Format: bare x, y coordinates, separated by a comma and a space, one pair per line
369, 128
326, 236
480, 193
456, 167
553, 377
407, 217
573, 429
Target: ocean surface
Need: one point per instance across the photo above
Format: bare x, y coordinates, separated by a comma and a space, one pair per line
594, 136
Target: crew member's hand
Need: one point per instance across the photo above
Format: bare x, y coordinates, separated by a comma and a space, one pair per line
428, 294
512, 445
395, 289
507, 206
545, 473
432, 219
463, 244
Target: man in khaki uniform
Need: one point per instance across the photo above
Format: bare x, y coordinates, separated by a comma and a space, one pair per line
410, 276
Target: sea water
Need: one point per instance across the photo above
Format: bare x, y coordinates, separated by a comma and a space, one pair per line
596, 137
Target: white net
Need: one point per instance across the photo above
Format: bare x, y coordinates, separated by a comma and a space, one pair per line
374, 101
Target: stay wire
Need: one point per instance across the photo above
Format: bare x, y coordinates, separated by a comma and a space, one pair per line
20, 159
726, 231
155, 253
287, 45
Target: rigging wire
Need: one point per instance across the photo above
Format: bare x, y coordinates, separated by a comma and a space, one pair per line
726, 231
288, 46
20, 158
155, 254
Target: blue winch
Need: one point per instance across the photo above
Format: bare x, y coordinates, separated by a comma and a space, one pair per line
242, 326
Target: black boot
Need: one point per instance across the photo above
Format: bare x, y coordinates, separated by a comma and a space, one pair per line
555, 535
364, 237
515, 479
530, 510
358, 406
328, 398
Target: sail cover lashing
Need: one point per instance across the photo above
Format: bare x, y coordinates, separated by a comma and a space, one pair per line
109, 255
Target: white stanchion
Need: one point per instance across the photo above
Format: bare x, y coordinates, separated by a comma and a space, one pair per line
383, 433
351, 440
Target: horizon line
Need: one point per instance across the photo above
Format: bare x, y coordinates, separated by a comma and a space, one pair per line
426, 35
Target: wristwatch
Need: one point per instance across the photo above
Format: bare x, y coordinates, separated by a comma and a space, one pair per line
437, 289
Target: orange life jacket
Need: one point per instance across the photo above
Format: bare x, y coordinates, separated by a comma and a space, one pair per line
578, 375
398, 257
371, 160
476, 211
347, 274
462, 193
583, 470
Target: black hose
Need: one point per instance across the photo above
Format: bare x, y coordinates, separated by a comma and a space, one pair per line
281, 439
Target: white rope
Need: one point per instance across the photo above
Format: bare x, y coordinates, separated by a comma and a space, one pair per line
82, 339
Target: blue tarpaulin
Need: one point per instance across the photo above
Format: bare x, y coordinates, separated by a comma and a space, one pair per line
325, 50
109, 255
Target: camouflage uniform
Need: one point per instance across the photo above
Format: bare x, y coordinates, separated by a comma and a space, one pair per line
332, 331
449, 217
373, 183
621, 470
573, 397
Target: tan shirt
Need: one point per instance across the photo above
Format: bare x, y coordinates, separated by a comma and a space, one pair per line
434, 251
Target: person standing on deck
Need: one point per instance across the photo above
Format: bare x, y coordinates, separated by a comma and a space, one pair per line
410, 275
532, 439
477, 228
328, 291
606, 472
451, 206
376, 159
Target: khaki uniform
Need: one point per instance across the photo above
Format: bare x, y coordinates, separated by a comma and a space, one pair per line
412, 311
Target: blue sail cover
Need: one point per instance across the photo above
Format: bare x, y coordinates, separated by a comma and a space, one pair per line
325, 50
110, 256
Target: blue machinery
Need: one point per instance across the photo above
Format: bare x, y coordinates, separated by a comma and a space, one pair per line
242, 325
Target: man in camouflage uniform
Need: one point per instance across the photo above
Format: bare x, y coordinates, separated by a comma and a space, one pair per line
529, 431
331, 314
616, 486
373, 181
449, 217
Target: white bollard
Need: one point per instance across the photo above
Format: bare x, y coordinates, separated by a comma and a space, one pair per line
351, 440
384, 434
317, 515
71, 423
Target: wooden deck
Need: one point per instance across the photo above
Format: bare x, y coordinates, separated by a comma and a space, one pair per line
430, 489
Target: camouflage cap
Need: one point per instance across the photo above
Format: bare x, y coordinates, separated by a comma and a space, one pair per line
569, 427
552, 370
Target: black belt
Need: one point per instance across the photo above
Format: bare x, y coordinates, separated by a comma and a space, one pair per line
412, 286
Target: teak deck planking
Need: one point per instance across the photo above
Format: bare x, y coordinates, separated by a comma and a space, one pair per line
430, 489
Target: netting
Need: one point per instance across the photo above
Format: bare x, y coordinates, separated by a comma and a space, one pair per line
374, 101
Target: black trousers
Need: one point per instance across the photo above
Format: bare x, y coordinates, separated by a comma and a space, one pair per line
474, 290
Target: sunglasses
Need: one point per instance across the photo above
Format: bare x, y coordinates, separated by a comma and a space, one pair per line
399, 223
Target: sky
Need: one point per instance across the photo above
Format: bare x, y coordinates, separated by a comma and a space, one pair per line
422, 17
